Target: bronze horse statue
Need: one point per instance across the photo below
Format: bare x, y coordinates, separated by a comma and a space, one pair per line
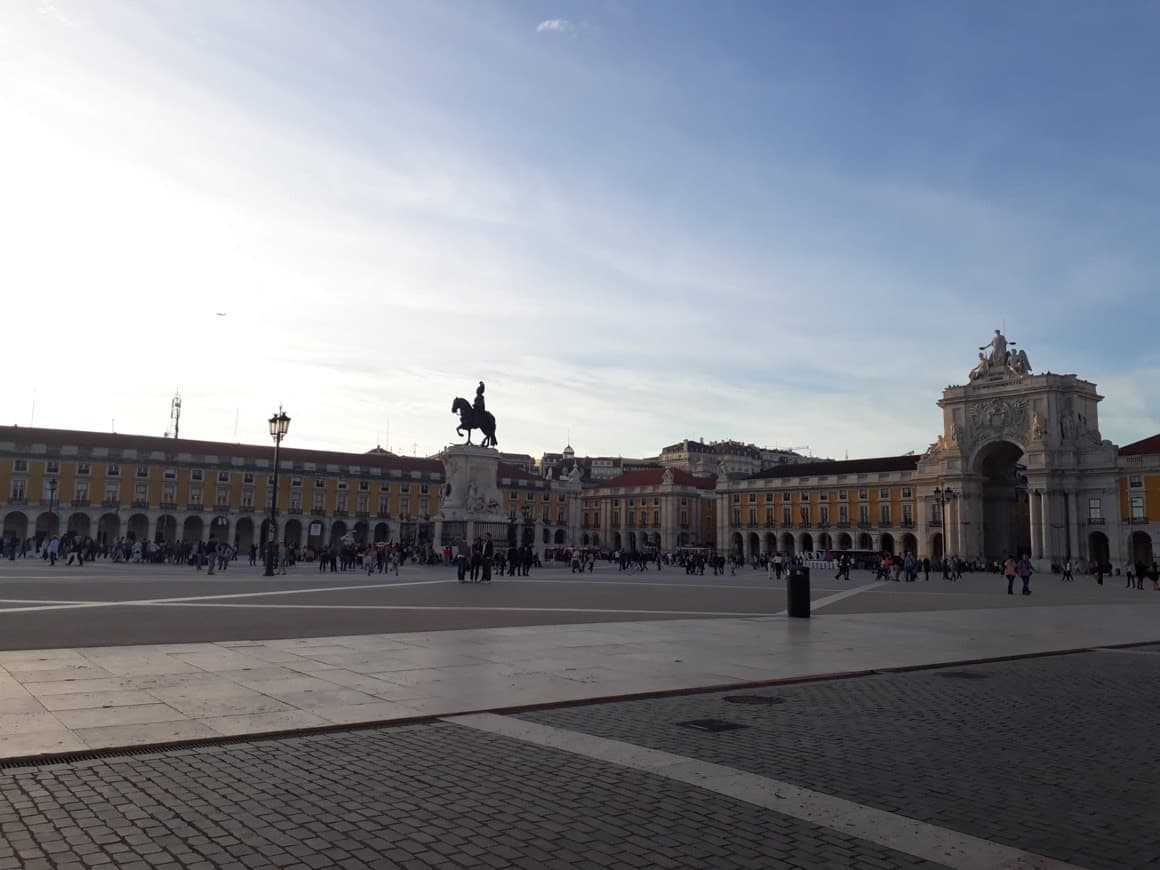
470, 419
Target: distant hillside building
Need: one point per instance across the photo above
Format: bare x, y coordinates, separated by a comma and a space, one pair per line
733, 457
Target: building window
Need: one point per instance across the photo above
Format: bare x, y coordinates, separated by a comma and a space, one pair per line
222, 496
248, 497
113, 492
384, 504
19, 490
423, 489
319, 483
295, 500
787, 516
736, 498
842, 494
169, 474
753, 516
1135, 481
319, 502
223, 477
142, 470
908, 514
753, 498
736, 516
195, 495
20, 466
863, 494
342, 483
823, 496
248, 477
884, 514
140, 492
1137, 507
684, 502
843, 513
112, 471
864, 513
83, 469
884, 493
656, 518
81, 490
52, 467
785, 496
906, 492
1095, 509
364, 502
804, 495
405, 488
824, 515
340, 504
804, 514
769, 515
296, 481
364, 486
196, 474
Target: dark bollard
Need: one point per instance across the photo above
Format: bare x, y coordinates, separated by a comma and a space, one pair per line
797, 592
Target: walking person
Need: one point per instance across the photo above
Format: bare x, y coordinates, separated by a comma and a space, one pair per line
461, 556
487, 555
1025, 571
1009, 571
1067, 575
926, 568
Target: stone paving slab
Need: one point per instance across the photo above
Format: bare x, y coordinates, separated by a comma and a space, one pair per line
433, 795
185, 691
1055, 756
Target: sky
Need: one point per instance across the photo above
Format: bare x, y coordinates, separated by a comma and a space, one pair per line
779, 222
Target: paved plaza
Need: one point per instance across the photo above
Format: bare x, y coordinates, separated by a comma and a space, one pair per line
413, 721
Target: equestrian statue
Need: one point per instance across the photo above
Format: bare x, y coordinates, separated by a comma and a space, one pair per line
475, 415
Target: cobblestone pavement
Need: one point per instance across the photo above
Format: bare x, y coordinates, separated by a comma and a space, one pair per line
434, 795
1056, 756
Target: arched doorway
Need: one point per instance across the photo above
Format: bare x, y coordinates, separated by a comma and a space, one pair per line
596, 540
1099, 550
292, 533
845, 542
825, 542
806, 543
219, 530
910, 544
1006, 514
617, 541
936, 546
191, 530
887, 543
16, 526
166, 529
584, 539
631, 542
738, 544
1141, 548
138, 528
47, 525
787, 545
559, 539
244, 534
754, 545
80, 525
108, 528
337, 532
865, 542
360, 533
683, 539
382, 533
770, 543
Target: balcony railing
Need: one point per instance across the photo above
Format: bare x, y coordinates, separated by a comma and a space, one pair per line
194, 506
140, 504
907, 524
1095, 521
934, 524
15, 500
80, 502
111, 503
294, 511
382, 515
318, 512
340, 513
168, 505
843, 525
363, 513
865, 525
1138, 521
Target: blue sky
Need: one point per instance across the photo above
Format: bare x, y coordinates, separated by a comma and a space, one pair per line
781, 222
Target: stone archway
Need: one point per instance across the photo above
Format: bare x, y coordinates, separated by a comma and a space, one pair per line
80, 525
360, 532
559, 538
584, 539
382, 533
825, 542
886, 543
219, 530
292, 533
1006, 520
936, 546
166, 529
137, 528
1099, 550
595, 540
910, 544
15, 526
337, 531
787, 543
845, 542
683, 539
770, 543
865, 542
108, 528
806, 543
244, 534
47, 525
754, 545
617, 541
738, 544
1140, 548
191, 530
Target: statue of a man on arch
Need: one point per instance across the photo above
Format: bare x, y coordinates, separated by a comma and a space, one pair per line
998, 355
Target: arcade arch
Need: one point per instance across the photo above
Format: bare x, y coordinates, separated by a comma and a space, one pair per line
1099, 549
1005, 510
1140, 548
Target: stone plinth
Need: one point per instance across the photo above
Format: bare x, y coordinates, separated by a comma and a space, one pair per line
471, 492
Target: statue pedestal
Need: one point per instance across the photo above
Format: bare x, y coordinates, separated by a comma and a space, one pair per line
472, 501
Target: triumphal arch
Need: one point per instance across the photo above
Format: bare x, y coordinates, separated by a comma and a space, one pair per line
1020, 466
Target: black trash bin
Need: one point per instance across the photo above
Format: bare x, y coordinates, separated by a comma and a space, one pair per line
797, 592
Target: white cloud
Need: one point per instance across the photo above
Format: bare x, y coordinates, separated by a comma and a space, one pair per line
555, 25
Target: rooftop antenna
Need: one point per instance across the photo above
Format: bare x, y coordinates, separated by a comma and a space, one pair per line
175, 417
32, 419
237, 413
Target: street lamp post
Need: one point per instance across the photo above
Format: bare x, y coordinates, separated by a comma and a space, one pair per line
279, 426
52, 484
944, 497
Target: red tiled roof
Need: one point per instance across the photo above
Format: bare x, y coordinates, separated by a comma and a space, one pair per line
1142, 448
654, 476
513, 473
172, 446
842, 466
